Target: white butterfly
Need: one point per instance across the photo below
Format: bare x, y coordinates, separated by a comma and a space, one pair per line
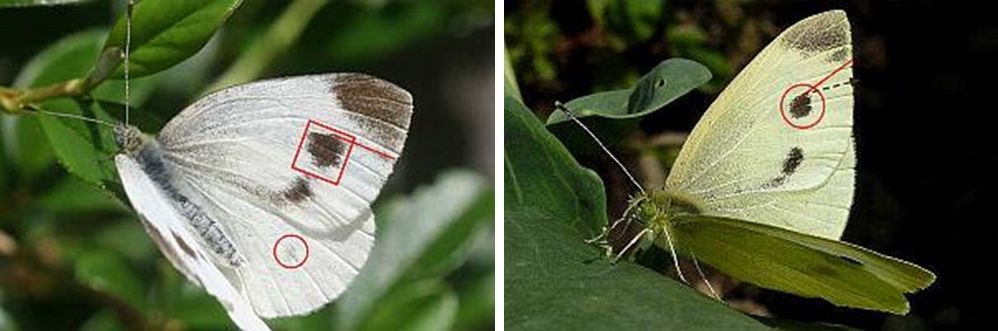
261, 193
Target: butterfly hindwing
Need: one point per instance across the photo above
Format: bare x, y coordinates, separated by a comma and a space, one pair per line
289, 168
780, 130
805, 265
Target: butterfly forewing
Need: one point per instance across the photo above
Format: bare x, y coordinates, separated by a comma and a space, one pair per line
775, 147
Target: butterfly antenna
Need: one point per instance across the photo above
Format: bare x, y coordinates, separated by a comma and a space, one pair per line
33, 110
128, 47
563, 109
704, 277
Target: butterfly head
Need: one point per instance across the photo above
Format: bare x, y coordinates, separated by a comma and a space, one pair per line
129, 138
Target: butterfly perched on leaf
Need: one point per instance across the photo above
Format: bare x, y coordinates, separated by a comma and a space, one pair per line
762, 188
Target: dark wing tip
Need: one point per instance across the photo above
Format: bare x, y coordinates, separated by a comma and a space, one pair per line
820, 32
373, 97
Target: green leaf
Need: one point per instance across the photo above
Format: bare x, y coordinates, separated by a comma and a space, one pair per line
320, 320
164, 33
85, 149
410, 237
67, 58
668, 81
197, 309
107, 272
421, 306
7, 321
451, 248
25, 148
477, 303
103, 320
634, 20
72, 195
128, 238
509, 82
33, 3
374, 33
554, 280
541, 174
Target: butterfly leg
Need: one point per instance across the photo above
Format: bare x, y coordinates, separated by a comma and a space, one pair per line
675, 258
696, 264
630, 244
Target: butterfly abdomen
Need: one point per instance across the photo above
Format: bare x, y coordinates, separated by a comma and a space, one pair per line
150, 157
209, 230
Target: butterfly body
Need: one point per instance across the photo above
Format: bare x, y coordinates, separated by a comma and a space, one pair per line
659, 209
146, 151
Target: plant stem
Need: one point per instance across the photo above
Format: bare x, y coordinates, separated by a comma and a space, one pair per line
7, 100
13, 101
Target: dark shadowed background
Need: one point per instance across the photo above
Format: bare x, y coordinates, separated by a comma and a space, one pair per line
927, 183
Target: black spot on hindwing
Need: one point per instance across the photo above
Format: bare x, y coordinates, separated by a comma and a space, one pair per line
790, 164
326, 149
793, 160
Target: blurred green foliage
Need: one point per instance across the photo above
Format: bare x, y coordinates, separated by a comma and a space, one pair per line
562, 51
72, 254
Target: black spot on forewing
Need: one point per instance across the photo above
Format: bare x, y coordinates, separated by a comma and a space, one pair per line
819, 33
373, 97
793, 160
298, 191
800, 106
326, 149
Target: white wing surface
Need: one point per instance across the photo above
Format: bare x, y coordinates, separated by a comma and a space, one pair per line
289, 168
